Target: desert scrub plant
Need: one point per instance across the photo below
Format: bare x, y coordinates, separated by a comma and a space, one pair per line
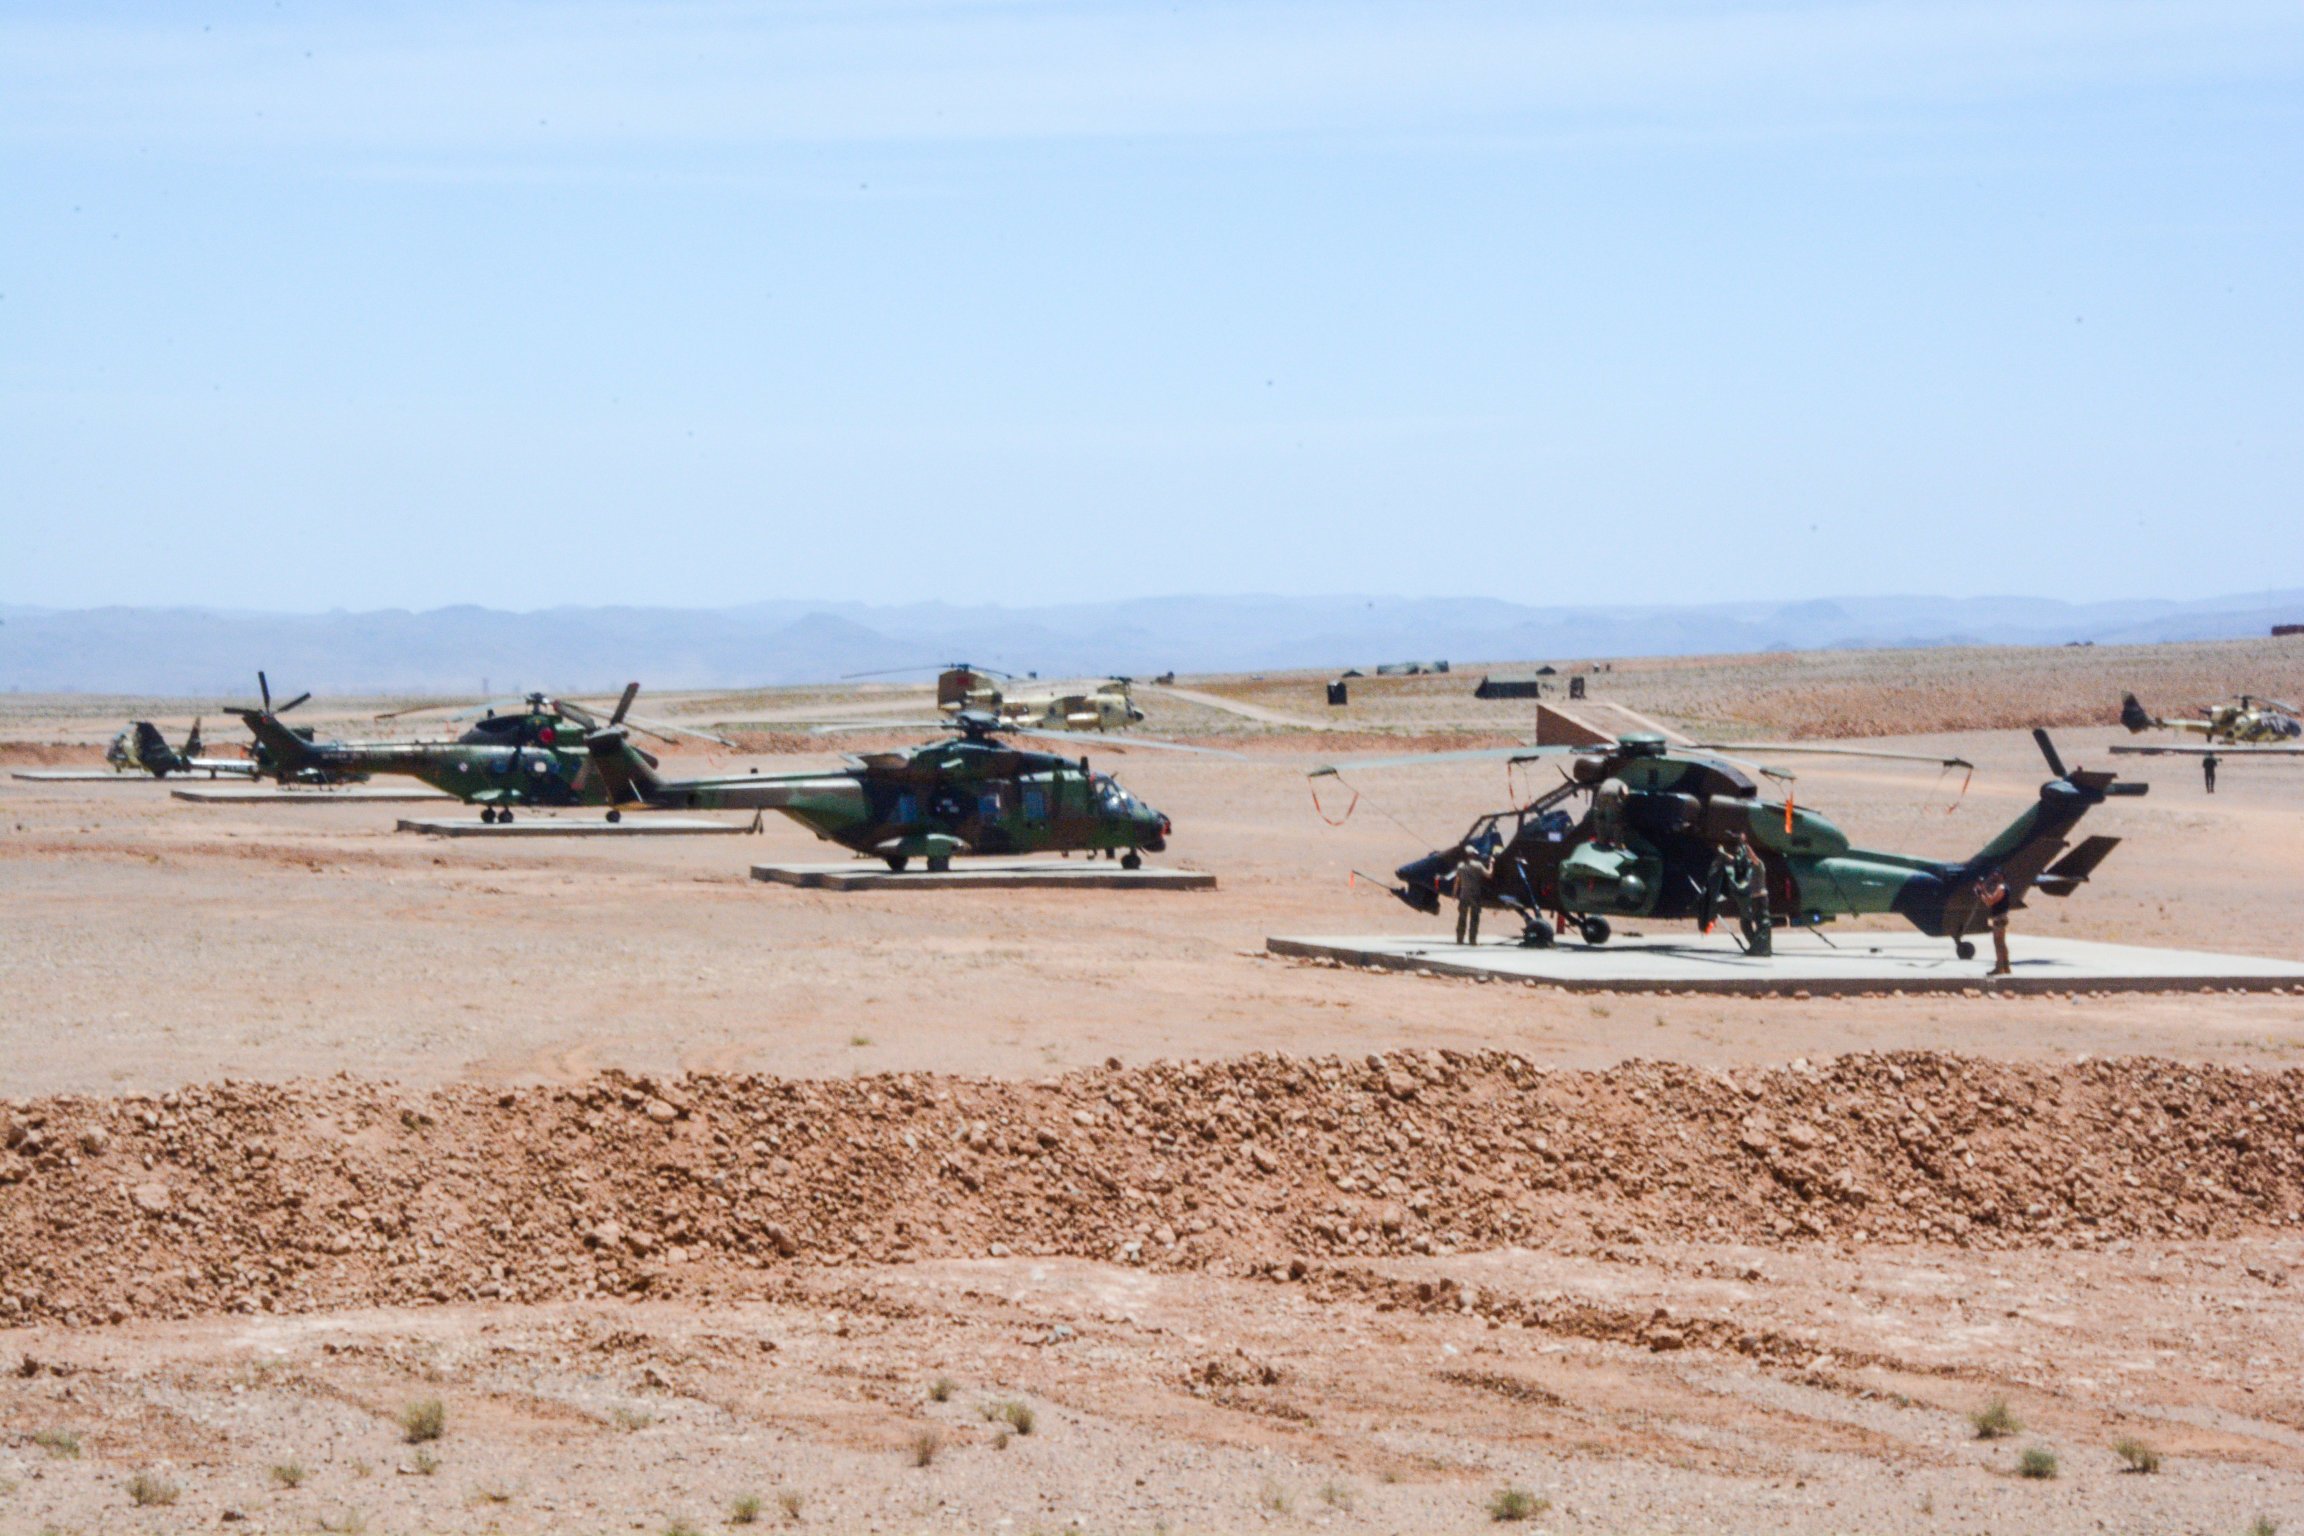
2038, 1462
925, 1444
427, 1420
791, 1501
289, 1474
57, 1442
146, 1490
745, 1510
2263, 1525
1336, 1495
1995, 1420
1515, 1504
681, 1528
941, 1389
424, 1463
1274, 1497
349, 1522
2139, 1456
1019, 1417
631, 1420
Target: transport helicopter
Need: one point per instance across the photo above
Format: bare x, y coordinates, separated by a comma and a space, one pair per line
970, 792
531, 755
2245, 721
1685, 833
1106, 705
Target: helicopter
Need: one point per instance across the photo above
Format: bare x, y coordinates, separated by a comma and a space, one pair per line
531, 755
142, 749
970, 792
1106, 706
1685, 833
2245, 721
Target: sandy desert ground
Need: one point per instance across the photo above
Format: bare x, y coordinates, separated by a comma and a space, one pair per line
688, 1197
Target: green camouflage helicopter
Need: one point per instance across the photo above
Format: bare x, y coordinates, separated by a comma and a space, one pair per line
1684, 833
531, 755
967, 793
971, 793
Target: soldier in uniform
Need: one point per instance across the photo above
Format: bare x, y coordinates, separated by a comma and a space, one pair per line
1471, 890
1992, 896
2208, 770
1738, 875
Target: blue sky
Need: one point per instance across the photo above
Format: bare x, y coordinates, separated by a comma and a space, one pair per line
398, 305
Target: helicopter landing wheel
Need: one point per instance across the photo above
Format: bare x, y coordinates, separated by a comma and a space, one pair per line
1594, 929
1536, 936
1132, 860
896, 863
940, 864
615, 817
488, 813
1964, 949
505, 815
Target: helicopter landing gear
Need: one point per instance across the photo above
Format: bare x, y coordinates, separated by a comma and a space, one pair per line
505, 816
940, 864
615, 816
1536, 933
896, 863
1594, 929
488, 814
1964, 949
1131, 860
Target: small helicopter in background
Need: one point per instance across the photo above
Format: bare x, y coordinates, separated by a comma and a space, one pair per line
2239, 728
1685, 833
1107, 705
142, 749
533, 754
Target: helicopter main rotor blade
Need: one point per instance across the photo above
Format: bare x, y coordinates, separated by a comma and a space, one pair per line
1468, 755
624, 704
292, 703
1819, 749
264, 687
657, 728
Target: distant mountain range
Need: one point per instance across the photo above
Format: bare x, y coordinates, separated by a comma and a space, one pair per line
209, 651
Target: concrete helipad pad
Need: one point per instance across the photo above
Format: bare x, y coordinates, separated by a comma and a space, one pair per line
265, 794
635, 825
1856, 962
986, 875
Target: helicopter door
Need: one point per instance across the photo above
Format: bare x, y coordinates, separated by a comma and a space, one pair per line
1035, 802
907, 811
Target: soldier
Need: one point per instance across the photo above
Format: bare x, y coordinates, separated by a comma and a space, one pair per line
1608, 812
1992, 895
1737, 874
1471, 890
2208, 770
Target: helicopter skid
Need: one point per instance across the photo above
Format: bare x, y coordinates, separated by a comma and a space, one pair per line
1802, 963
985, 875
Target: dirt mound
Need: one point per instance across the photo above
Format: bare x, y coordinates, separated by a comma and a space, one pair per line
259, 1197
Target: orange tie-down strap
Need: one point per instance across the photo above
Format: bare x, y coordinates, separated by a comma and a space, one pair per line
1349, 807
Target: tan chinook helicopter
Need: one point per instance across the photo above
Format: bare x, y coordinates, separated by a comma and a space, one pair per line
963, 687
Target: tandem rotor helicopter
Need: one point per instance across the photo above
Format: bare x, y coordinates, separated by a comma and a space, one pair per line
1685, 833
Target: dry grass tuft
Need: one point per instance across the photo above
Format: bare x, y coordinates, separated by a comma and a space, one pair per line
746, 1510
1516, 1504
1995, 1420
289, 1474
2037, 1463
2139, 1455
791, 1501
925, 1444
57, 1442
427, 1420
941, 1389
146, 1490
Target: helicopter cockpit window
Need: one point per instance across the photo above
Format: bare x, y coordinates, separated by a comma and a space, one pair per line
1113, 797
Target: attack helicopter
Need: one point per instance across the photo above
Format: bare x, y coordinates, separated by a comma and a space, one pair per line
530, 755
970, 792
1685, 833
